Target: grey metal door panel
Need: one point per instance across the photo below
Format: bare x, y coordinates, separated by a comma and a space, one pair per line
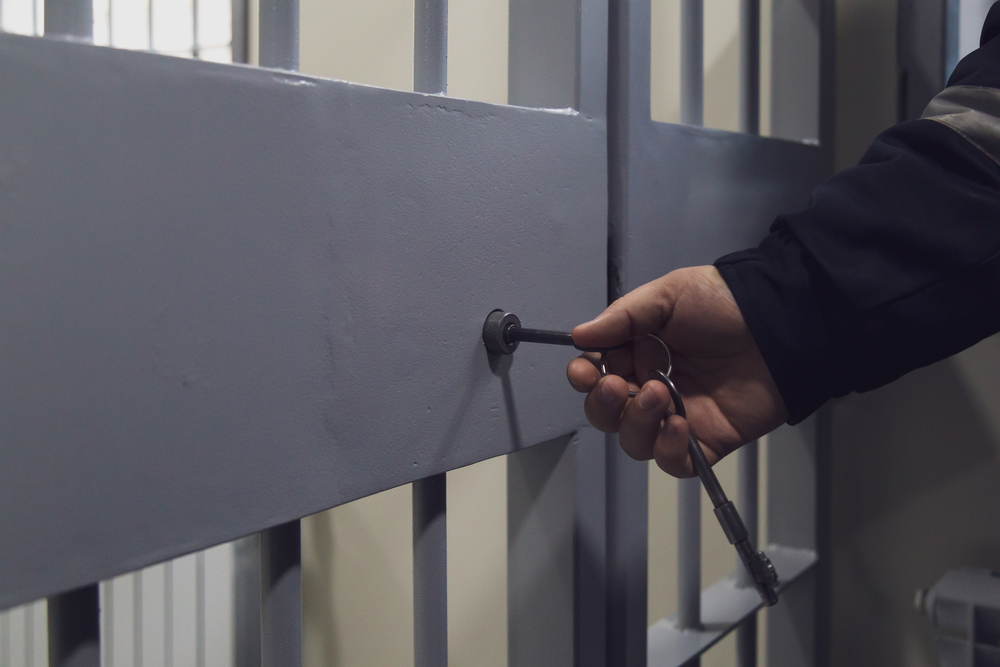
697, 194
232, 297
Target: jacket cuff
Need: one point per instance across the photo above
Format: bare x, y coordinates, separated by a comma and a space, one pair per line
777, 294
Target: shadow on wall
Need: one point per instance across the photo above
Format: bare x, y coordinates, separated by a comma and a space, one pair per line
916, 492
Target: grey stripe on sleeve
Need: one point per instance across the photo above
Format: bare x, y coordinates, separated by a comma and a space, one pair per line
973, 112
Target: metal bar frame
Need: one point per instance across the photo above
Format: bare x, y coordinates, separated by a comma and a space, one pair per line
430, 571
279, 34
280, 546
430, 495
559, 55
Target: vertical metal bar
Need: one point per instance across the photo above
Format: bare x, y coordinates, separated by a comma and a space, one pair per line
199, 608
590, 549
794, 519
628, 518
111, 34
246, 602
149, 23
107, 604
746, 643
69, 18
137, 618
689, 490
279, 34
281, 546
827, 83
29, 635
5, 639
430, 497
747, 468
240, 31
797, 43
34, 17
750, 66
540, 517
592, 61
952, 22
195, 45
168, 614
75, 628
689, 553
281, 596
692, 62
430, 46
430, 572
627, 490
543, 53
556, 564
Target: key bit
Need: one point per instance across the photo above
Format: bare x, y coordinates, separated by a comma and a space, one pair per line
502, 333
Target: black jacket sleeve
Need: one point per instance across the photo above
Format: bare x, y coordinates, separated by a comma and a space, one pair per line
894, 265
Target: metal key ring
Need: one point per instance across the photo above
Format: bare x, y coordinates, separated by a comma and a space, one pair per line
603, 368
675, 395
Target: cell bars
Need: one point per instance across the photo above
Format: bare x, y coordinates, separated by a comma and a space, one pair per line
208, 29
274, 558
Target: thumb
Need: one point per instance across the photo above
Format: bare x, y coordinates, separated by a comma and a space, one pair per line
644, 310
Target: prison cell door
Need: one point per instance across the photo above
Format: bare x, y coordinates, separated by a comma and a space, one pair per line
233, 297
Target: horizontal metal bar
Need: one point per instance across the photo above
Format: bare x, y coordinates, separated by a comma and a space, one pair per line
724, 606
230, 335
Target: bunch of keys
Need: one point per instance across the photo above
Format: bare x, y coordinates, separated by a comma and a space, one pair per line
502, 333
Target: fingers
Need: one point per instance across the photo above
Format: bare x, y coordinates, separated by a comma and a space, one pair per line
640, 425
641, 311
582, 373
605, 402
671, 448
649, 430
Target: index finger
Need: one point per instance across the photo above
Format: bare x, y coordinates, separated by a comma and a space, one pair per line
643, 310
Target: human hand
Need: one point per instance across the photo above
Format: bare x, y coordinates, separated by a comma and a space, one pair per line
728, 392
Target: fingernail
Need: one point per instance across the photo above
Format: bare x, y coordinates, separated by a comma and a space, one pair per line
606, 393
648, 399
